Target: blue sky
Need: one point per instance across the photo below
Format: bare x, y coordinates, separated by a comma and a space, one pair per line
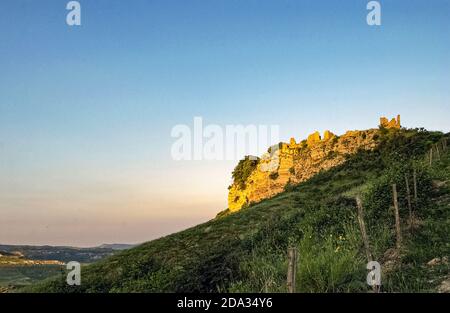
86, 112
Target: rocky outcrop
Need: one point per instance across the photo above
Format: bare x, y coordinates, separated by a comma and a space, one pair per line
394, 123
296, 162
313, 139
327, 135
444, 287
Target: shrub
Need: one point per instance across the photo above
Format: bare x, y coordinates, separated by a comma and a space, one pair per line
331, 264
243, 170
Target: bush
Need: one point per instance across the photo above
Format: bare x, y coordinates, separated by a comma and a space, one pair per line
331, 264
243, 170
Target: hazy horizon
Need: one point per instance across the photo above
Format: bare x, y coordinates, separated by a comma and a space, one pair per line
86, 112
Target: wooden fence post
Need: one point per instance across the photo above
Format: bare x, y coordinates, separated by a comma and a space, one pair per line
397, 217
292, 269
408, 198
362, 227
415, 188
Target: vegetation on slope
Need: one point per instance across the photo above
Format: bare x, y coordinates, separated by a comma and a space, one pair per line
246, 251
243, 170
24, 275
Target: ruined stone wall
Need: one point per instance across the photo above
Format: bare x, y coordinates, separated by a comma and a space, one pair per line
394, 123
294, 163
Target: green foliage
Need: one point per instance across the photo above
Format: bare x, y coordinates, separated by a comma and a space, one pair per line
265, 272
18, 276
330, 264
378, 201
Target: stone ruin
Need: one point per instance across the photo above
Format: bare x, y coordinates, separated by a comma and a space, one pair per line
316, 138
394, 123
313, 139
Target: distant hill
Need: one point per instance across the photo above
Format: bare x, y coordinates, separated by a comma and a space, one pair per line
62, 254
245, 251
23, 265
7, 254
116, 246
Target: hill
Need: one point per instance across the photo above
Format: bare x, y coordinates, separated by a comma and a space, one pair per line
116, 246
24, 265
63, 254
246, 250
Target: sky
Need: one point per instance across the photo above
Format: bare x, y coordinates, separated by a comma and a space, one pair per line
86, 112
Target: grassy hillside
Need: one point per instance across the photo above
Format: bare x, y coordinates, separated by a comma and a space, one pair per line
246, 251
18, 276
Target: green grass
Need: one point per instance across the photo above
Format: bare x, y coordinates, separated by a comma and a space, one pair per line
246, 251
19, 276
430, 241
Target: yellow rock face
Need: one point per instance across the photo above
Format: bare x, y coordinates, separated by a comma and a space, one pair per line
295, 163
292, 142
394, 123
313, 139
327, 135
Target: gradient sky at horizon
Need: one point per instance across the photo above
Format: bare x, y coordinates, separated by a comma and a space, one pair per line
86, 112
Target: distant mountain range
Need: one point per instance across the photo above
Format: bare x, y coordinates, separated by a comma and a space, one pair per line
116, 246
